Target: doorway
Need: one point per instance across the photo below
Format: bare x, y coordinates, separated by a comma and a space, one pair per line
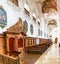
20, 42
11, 44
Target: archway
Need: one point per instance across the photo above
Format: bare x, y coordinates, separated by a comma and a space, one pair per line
52, 29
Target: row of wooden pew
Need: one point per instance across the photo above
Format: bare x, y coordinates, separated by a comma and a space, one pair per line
40, 48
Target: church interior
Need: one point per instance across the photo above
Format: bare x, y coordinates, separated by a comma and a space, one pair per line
29, 31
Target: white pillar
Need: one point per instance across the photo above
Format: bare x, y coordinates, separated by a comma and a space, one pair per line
42, 25
58, 22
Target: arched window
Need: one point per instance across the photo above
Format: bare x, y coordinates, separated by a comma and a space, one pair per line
31, 29
26, 9
25, 26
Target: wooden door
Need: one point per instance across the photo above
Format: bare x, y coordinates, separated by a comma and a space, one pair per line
11, 44
20, 42
56, 40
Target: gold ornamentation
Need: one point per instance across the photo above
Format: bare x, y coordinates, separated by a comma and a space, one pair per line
49, 5
17, 28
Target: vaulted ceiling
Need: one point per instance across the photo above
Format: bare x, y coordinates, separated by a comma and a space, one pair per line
48, 5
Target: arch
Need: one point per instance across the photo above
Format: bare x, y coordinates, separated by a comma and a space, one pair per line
20, 42
52, 28
52, 22
11, 44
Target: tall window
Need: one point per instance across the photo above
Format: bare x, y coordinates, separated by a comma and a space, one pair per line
26, 11
38, 23
34, 19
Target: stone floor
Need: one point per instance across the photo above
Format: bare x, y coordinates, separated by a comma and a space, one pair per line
50, 56
31, 58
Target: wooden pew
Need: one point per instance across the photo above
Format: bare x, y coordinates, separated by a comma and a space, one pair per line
39, 49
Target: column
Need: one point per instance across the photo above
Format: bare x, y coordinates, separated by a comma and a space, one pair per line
7, 43
16, 44
58, 21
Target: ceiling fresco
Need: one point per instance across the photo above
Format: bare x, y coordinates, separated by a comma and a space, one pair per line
49, 5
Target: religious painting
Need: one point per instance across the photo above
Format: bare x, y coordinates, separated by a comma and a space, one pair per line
31, 29
25, 26
26, 11
49, 5
39, 32
3, 18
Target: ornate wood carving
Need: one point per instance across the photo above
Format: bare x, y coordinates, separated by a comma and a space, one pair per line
17, 28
